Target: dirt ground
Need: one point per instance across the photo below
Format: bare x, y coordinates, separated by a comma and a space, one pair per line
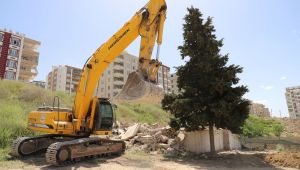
290, 159
140, 160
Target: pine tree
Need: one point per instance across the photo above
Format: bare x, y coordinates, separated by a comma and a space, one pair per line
210, 94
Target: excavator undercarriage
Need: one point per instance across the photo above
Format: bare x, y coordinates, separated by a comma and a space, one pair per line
63, 150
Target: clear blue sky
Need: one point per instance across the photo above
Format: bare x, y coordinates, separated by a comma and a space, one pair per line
261, 36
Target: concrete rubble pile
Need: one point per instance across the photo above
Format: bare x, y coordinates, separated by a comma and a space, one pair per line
151, 138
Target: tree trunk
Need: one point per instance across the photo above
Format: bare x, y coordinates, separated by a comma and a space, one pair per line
212, 138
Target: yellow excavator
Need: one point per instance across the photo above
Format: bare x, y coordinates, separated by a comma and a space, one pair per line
68, 133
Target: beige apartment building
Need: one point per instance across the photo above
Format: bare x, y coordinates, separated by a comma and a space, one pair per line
115, 76
63, 78
66, 78
292, 96
173, 88
163, 77
259, 110
19, 56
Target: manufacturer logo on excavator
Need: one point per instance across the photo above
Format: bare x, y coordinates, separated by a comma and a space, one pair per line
118, 39
43, 118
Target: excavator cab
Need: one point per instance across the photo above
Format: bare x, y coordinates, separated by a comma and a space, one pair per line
104, 115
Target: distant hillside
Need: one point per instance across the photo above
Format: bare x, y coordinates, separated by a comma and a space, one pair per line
18, 99
144, 113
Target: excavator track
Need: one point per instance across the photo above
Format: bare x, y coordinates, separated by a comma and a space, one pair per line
64, 153
25, 146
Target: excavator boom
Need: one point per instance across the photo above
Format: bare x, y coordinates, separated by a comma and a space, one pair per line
147, 23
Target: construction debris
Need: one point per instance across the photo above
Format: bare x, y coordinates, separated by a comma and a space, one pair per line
131, 132
166, 140
152, 138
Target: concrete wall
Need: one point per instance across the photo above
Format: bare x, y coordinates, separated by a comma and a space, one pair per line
234, 142
198, 141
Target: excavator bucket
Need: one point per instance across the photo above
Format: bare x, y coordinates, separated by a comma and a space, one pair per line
136, 89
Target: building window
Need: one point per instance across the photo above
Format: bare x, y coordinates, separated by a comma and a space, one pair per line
15, 41
9, 75
118, 86
13, 52
11, 64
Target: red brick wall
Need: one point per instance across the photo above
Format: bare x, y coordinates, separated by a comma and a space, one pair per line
4, 53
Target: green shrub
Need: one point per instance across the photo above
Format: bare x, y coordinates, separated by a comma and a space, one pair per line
259, 127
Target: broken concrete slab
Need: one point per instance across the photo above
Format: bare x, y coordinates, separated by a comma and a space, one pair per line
131, 132
181, 136
164, 139
147, 139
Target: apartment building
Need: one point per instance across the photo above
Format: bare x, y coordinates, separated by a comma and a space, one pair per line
163, 77
115, 76
173, 84
19, 56
292, 96
63, 78
66, 78
259, 109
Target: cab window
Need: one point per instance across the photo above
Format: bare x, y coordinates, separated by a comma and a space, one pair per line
106, 110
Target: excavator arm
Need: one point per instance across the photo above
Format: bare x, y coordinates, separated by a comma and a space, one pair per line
148, 23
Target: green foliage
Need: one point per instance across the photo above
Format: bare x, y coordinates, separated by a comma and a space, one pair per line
210, 94
277, 129
13, 122
260, 127
144, 113
16, 101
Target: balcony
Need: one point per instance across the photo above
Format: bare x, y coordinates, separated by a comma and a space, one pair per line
118, 82
30, 53
119, 67
28, 61
118, 75
30, 44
